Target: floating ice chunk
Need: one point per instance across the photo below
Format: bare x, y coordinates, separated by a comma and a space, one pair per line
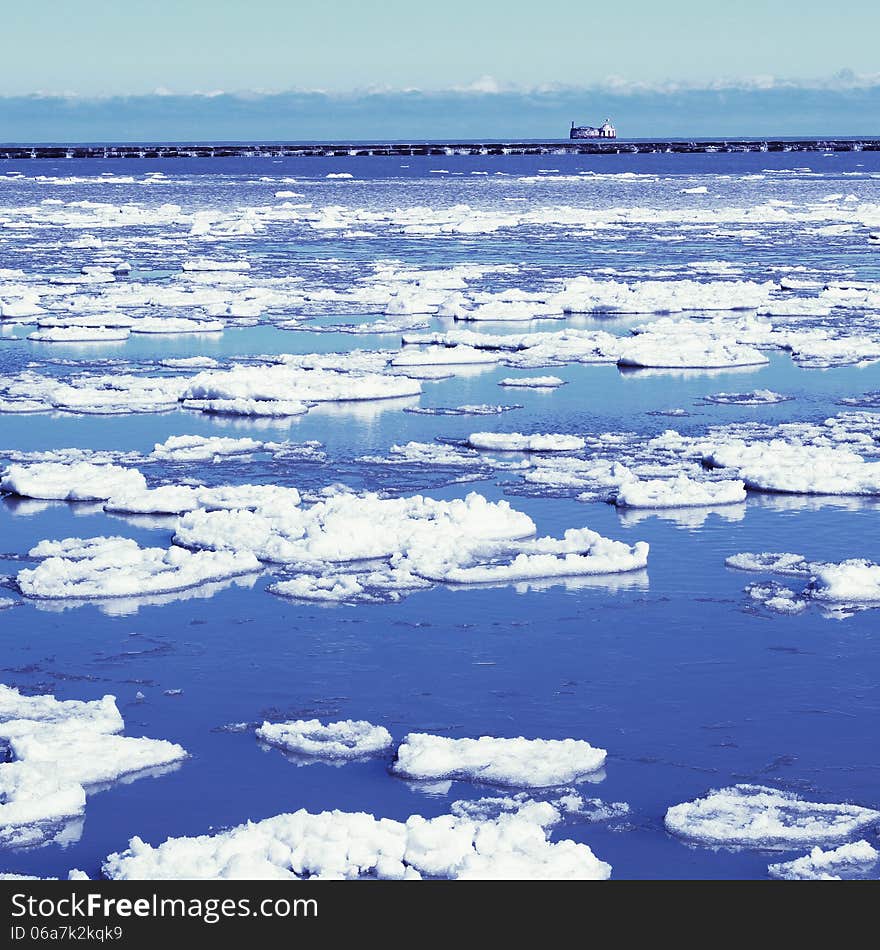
532, 382
370, 586
678, 492
165, 500
533, 349
348, 739
356, 845
528, 763
291, 384
76, 321
851, 583
23, 406
775, 597
517, 442
410, 540
60, 749
591, 809
20, 715
20, 309
668, 351
339, 175
762, 817
172, 325
107, 394
190, 362
855, 860
780, 466
79, 481
566, 801
79, 334
335, 588
347, 527
774, 563
443, 356
586, 295
579, 552
855, 581
111, 570
512, 847
510, 310
758, 397
206, 264
429, 453
198, 448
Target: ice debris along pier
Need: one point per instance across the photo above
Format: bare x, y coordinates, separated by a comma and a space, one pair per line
337, 150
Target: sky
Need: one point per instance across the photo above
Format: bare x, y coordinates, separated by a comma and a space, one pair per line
277, 69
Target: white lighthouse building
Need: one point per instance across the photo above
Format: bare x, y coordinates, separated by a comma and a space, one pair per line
605, 131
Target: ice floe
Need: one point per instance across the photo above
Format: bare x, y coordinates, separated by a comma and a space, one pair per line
344, 845
837, 586
678, 492
310, 738
103, 567
679, 350
857, 859
532, 382
762, 817
526, 763
59, 751
79, 334
410, 541
78, 481
758, 397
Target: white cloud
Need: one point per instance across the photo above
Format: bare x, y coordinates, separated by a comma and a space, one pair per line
843, 80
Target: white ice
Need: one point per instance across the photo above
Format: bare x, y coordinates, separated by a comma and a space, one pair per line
855, 860
527, 763
348, 739
59, 750
762, 817
341, 845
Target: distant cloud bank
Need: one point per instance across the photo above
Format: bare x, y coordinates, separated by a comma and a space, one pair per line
843, 104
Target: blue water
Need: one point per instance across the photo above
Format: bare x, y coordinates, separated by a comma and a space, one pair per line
672, 670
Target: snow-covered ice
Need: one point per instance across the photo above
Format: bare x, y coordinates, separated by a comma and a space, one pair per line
61, 749
857, 859
679, 492
345, 845
768, 818
348, 739
532, 382
527, 763
106, 568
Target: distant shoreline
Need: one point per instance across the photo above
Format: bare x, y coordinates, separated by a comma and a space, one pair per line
447, 148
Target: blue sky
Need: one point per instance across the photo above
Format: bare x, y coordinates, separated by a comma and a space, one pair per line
287, 70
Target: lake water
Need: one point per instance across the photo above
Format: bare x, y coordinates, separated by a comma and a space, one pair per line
687, 682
